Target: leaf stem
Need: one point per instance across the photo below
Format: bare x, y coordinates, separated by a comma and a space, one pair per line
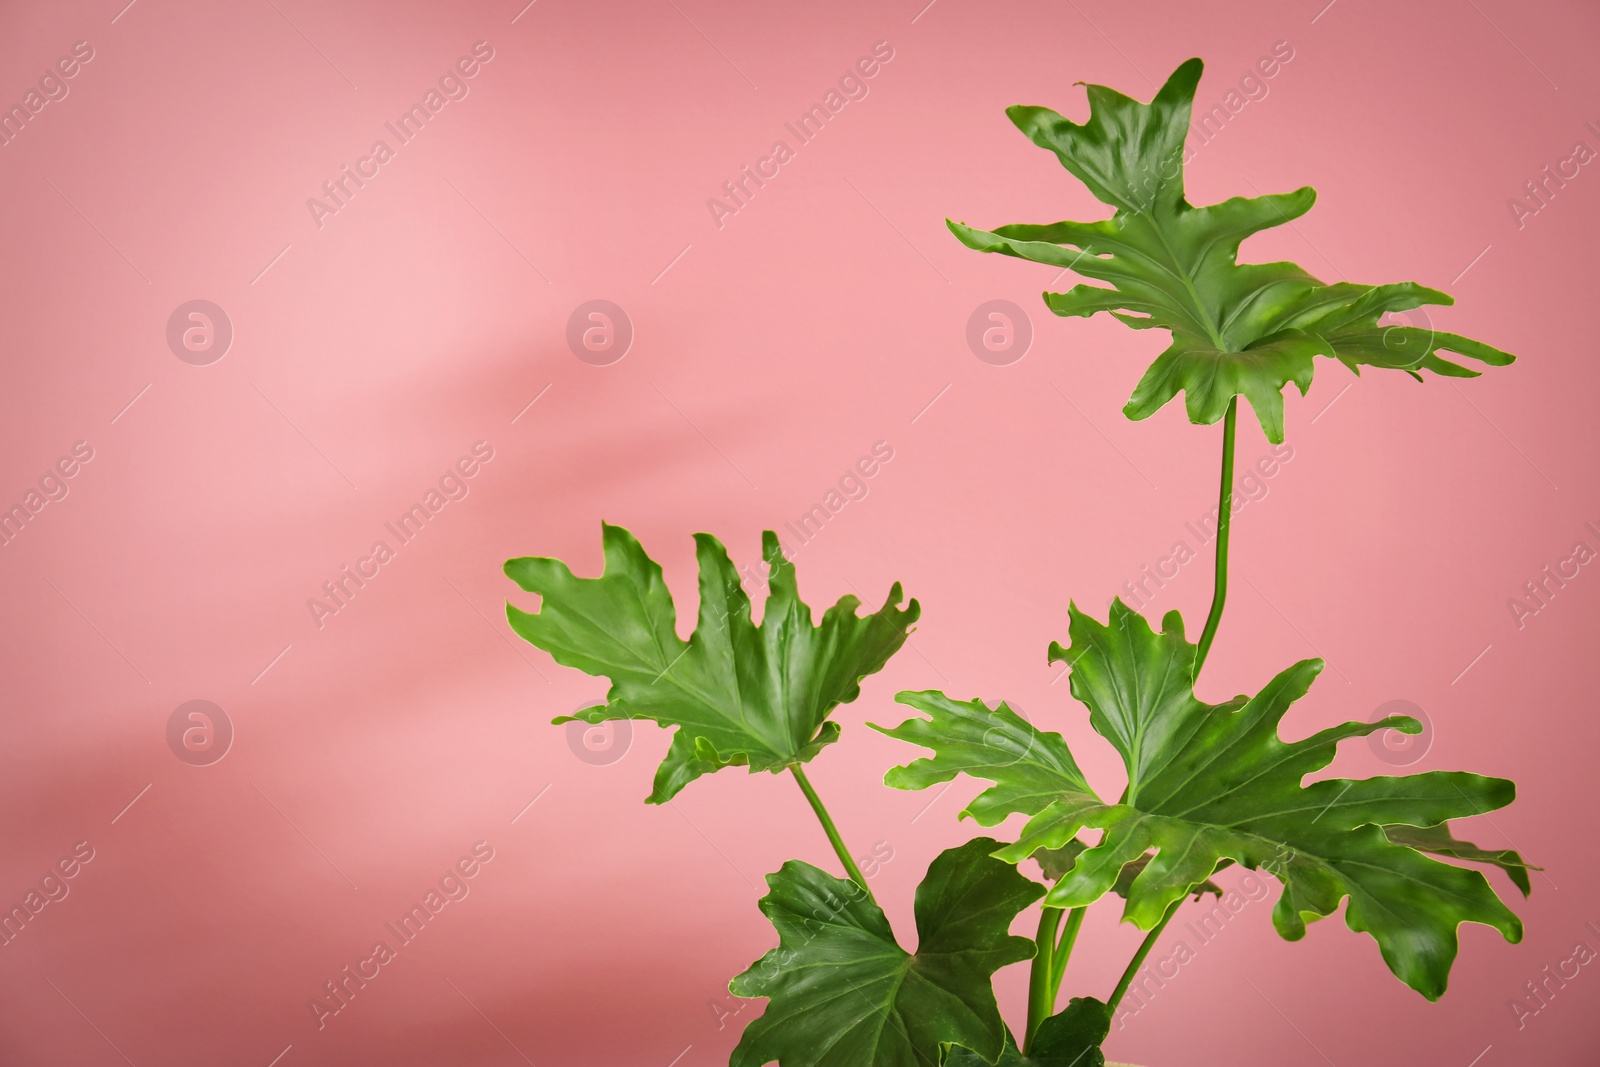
1069, 937
1224, 513
1041, 993
1145, 946
832, 831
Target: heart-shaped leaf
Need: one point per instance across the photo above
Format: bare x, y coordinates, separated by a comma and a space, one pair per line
843, 993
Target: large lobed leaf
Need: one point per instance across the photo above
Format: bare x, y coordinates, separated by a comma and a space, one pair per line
1213, 784
843, 993
1237, 329
737, 693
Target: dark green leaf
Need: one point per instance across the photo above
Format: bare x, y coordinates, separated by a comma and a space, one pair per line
1439, 841
1056, 863
1071, 1038
1209, 784
843, 993
739, 694
1237, 329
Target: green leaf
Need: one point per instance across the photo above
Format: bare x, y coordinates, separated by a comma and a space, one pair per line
1440, 842
843, 993
1237, 329
1029, 769
1212, 784
1057, 863
738, 694
1071, 1038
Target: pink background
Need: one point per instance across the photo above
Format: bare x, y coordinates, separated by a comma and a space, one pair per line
373, 752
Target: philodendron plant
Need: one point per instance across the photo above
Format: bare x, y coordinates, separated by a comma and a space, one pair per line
1208, 785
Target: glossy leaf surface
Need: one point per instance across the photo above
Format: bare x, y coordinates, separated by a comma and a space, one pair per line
1070, 1038
738, 694
843, 993
1213, 784
1237, 329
